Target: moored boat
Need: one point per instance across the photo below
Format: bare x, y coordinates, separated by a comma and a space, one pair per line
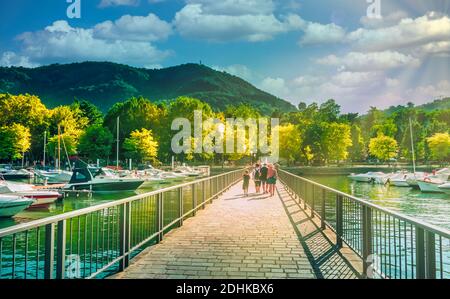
445, 187
101, 180
40, 197
371, 177
10, 205
8, 173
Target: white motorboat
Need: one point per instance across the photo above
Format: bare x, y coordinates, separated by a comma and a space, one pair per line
187, 171
10, 205
431, 185
405, 179
41, 197
8, 173
101, 180
371, 177
445, 187
54, 176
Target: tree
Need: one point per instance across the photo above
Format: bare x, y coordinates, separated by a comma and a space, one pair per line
290, 143
383, 147
15, 140
95, 142
337, 140
141, 146
89, 111
439, 145
357, 150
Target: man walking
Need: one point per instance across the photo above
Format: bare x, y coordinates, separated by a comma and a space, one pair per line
264, 171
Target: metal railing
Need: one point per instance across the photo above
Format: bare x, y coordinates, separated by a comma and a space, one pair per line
391, 245
97, 241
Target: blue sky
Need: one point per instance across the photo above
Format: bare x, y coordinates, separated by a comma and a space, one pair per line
300, 50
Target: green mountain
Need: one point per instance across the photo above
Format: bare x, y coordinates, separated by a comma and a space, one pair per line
441, 104
105, 83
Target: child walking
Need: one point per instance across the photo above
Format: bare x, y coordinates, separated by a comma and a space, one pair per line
246, 179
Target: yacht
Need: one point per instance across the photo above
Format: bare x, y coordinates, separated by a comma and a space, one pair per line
54, 176
101, 180
10, 205
405, 179
8, 173
431, 183
187, 171
41, 197
371, 177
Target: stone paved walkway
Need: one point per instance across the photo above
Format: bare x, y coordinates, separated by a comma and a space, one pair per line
235, 237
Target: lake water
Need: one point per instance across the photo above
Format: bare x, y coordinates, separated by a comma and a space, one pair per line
429, 207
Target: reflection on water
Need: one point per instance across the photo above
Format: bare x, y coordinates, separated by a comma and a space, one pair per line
72, 203
429, 207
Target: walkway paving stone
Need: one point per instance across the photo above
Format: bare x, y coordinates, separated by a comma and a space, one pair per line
235, 237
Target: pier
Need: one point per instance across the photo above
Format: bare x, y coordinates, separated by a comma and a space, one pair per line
207, 229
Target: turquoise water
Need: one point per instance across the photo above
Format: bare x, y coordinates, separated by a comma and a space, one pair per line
429, 207
72, 203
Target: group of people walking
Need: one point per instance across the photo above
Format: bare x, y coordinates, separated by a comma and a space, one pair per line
264, 177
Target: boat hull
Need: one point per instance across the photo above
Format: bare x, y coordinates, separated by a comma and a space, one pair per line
429, 187
12, 208
399, 183
107, 186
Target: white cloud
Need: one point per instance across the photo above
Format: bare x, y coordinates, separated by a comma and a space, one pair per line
134, 28
235, 7
12, 59
385, 21
408, 33
358, 61
61, 43
107, 3
356, 79
316, 33
200, 21
275, 86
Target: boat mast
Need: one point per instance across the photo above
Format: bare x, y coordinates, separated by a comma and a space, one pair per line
117, 145
412, 145
59, 147
45, 144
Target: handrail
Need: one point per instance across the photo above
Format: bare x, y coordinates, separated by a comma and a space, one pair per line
104, 237
390, 244
428, 226
39, 222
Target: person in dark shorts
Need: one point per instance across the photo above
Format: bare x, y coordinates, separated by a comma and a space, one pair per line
264, 171
246, 182
272, 179
257, 178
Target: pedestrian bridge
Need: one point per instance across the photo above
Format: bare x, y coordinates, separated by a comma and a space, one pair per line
207, 229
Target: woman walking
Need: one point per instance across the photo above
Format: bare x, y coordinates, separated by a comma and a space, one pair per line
272, 175
246, 182
257, 178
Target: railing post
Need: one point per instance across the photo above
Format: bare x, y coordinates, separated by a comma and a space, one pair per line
420, 253
339, 220
313, 200
61, 250
194, 200
124, 235
181, 206
323, 211
430, 255
160, 213
204, 194
366, 238
305, 196
49, 250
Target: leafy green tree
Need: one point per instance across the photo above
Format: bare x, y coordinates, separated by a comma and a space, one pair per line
439, 145
67, 143
89, 111
141, 146
95, 143
357, 150
290, 143
337, 140
329, 111
15, 140
383, 147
